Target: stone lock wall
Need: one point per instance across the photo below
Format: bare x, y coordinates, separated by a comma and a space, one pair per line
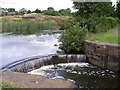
102, 54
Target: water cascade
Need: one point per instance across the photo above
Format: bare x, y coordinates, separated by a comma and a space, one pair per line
28, 64
73, 68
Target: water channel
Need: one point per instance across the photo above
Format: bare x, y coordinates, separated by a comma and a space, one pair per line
17, 47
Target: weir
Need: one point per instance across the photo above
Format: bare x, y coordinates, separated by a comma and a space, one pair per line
72, 68
29, 64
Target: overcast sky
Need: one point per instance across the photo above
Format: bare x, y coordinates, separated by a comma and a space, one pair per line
40, 4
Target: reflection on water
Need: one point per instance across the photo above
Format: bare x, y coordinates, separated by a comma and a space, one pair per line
16, 47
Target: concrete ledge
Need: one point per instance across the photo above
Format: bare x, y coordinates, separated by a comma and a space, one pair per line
103, 54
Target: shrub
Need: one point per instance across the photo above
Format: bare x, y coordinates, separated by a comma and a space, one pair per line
67, 23
101, 24
72, 39
105, 24
112, 21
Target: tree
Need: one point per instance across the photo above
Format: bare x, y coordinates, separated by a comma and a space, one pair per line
22, 11
50, 8
11, 9
28, 11
85, 9
118, 9
50, 11
90, 14
37, 11
65, 12
4, 11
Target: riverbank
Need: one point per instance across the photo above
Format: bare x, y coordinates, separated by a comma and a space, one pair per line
111, 36
34, 81
31, 23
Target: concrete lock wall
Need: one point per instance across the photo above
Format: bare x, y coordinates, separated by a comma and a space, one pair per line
102, 54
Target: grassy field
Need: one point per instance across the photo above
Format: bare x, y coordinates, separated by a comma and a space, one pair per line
27, 26
106, 37
6, 84
31, 23
35, 16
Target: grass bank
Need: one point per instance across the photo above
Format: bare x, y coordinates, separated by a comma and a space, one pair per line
106, 37
31, 23
27, 26
6, 84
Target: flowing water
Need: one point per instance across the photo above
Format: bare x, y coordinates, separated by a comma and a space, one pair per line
17, 47
83, 75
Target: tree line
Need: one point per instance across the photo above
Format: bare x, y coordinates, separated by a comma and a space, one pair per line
84, 9
50, 11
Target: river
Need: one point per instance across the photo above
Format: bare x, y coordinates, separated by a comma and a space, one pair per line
17, 47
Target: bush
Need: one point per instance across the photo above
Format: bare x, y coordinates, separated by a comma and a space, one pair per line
105, 24
112, 21
67, 23
51, 12
72, 39
101, 24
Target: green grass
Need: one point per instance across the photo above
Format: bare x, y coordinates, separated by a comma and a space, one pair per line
27, 26
106, 37
6, 84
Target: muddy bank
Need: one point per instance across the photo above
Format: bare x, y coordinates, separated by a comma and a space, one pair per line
35, 81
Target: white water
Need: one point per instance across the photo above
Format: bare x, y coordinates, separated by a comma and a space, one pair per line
42, 70
17, 47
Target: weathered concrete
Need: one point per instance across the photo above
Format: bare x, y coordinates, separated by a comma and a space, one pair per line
102, 54
31, 64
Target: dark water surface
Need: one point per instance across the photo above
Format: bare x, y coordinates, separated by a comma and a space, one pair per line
82, 76
89, 78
